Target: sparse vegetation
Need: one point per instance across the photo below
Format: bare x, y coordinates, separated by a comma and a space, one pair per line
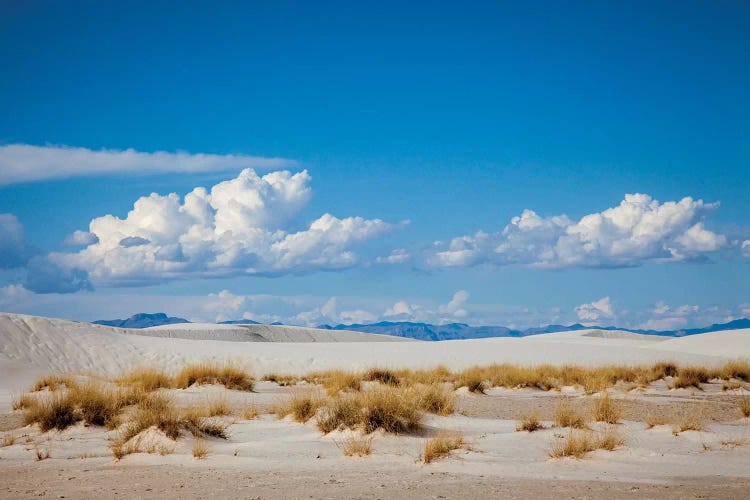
744, 406
342, 412
147, 379
690, 377
433, 399
229, 375
578, 443
302, 406
692, 420
339, 380
530, 423
53, 382
359, 446
384, 376
473, 379
607, 410
200, 449
566, 416
7, 440
440, 446
653, 420
250, 412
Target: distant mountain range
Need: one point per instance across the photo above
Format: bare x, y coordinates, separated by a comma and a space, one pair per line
142, 320
427, 331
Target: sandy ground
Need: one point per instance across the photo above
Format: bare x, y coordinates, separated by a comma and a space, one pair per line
271, 458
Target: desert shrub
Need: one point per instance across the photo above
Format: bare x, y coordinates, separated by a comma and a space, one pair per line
23, 401
662, 369
198, 422
433, 399
282, 380
157, 411
148, 379
53, 382
607, 410
7, 440
609, 439
382, 375
578, 443
529, 423
302, 406
652, 420
339, 380
690, 420
55, 411
440, 446
690, 377
250, 412
473, 379
200, 449
342, 412
566, 416
389, 409
228, 375
735, 369
744, 406
98, 405
431, 376
359, 446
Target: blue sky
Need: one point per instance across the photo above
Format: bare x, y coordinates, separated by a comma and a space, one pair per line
416, 126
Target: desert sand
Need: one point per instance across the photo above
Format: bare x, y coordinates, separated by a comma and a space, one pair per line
267, 457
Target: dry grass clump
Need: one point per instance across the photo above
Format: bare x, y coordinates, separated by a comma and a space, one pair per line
53, 382
147, 379
197, 420
529, 423
302, 406
56, 411
282, 380
652, 420
732, 385
389, 409
339, 380
566, 416
98, 405
228, 375
739, 370
41, 454
431, 376
200, 449
440, 446
342, 412
433, 399
744, 406
382, 375
691, 376
23, 401
689, 421
357, 446
153, 411
579, 443
250, 412
7, 440
606, 410
473, 379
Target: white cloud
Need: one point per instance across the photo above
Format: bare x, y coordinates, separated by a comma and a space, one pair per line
27, 163
455, 307
595, 311
639, 229
746, 248
80, 238
670, 323
397, 256
401, 309
241, 226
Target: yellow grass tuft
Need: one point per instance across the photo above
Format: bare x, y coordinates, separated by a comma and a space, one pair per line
692, 420
529, 423
157, 411
148, 379
357, 446
607, 410
200, 449
390, 409
55, 411
692, 376
7, 440
229, 375
250, 412
440, 446
53, 382
382, 375
744, 406
339, 380
342, 412
282, 380
579, 443
302, 406
566, 416
23, 401
473, 379
433, 399
652, 420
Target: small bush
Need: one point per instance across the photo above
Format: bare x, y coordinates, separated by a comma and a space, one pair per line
343, 412
53, 382
566, 416
228, 375
689, 421
198, 422
607, 410
98, 405
433, 399
157, 411
652, 420
250, 412
52, 412
148, 379
384, 376
302, 406
23, 401
690, 377
529, 423
735, 369
440, 446
473, 379
579, 443
744, 406
338, 380
389, 409
609, 439
200, 449
357, 446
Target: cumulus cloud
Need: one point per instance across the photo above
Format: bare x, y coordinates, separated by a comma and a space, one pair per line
638, 230
455, 307
397, 256
666, 317
241, 226
80, 238
595, 311
27, 163
746, 248
44, 275
14, 250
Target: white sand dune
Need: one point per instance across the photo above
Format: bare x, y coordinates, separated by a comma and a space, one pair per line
30, 345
